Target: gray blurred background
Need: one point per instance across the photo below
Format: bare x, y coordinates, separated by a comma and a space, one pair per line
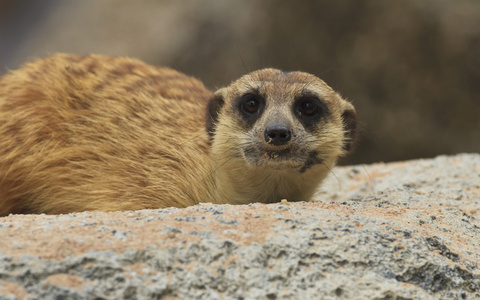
412, 68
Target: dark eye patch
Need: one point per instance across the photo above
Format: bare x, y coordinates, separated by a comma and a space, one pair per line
251, 106
250, 103
309, 109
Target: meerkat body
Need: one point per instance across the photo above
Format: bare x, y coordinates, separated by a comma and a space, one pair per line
104, 133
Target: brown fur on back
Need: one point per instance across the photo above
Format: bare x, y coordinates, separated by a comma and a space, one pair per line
101, 133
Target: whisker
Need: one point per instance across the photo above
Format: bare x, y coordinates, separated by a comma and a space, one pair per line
221, 165
369, 179
334, 175
241, 59
190, 139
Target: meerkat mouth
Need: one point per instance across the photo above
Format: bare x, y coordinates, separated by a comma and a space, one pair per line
284, 154
284, 159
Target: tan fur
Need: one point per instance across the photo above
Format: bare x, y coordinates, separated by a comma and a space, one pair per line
105, 133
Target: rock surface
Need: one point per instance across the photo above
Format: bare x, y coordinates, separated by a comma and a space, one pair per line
408, 230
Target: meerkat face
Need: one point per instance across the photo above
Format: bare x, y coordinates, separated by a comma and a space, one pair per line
280, 120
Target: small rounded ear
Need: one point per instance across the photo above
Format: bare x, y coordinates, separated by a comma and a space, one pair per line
214, 106
349, 118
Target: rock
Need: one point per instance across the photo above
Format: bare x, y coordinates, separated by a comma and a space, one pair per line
407, 230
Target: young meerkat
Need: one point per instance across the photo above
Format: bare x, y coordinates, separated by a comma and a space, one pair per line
103, 133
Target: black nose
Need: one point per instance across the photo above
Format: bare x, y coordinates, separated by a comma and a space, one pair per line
277, 134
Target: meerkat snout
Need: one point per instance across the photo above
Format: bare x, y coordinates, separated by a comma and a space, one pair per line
277, 134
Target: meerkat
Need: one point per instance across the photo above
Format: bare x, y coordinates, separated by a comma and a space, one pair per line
82, 133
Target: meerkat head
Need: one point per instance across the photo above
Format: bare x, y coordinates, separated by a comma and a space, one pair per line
280, 120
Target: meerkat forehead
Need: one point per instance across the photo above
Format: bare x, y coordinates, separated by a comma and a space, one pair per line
279, 83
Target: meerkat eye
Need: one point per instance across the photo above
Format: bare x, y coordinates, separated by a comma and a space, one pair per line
250, 103
308, 107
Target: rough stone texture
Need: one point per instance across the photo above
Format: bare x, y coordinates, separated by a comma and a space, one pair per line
406, 230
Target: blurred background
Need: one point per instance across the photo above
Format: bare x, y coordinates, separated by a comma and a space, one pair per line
411, 68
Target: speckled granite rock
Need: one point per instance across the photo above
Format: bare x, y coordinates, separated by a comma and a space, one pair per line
408, 230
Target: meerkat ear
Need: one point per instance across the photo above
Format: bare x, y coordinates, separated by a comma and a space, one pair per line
349, 117
214, 106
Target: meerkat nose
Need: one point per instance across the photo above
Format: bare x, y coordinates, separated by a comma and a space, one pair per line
277, 134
